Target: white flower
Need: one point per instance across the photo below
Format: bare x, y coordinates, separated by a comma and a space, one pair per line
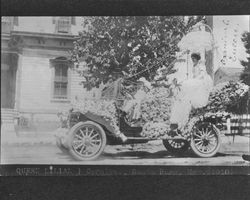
145, 82
136, 47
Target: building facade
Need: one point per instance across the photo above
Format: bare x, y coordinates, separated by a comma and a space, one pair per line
36, 76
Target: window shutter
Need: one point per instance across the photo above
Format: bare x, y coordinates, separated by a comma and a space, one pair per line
73, 20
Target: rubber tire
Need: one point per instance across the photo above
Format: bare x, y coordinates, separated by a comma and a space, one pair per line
206, 155
176, 151
71, 136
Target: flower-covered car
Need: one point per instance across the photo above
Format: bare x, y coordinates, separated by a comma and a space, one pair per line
116, 119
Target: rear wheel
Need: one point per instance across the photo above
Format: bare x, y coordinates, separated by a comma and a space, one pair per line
205, 140
177, 146
87, 140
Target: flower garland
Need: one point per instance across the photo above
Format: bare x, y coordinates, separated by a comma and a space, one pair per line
155, 130
187, 130
101, 107
155, 112
221, 98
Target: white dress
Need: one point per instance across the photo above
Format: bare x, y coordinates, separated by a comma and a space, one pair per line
193, 93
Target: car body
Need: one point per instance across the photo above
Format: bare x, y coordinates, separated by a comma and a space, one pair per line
86, 134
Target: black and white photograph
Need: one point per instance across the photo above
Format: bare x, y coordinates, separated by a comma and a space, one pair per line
125, 91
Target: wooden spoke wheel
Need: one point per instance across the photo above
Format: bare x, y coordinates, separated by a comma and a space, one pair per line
205, 140
87, 140
177, 146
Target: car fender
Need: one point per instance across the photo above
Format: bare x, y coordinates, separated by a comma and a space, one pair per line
100, 120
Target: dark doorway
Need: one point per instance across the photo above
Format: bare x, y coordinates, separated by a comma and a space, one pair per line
8, 81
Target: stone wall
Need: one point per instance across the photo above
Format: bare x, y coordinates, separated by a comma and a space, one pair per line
37, 108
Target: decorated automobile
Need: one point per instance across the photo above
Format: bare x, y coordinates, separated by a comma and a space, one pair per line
189, 113
130, 113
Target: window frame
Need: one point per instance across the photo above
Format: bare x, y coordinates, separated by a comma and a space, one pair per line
71, 21
53, 64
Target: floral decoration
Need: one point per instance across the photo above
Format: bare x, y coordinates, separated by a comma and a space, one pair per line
155, 109
101, 107
155, 130
155, 112
220, 100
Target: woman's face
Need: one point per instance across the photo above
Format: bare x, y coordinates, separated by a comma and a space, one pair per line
195, 61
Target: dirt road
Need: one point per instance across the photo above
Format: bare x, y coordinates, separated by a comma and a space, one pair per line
140, 154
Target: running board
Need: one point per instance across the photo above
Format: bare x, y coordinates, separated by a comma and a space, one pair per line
134, 140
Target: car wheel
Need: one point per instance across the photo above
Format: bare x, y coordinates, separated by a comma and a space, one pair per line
177, 147
205, 140
87, 140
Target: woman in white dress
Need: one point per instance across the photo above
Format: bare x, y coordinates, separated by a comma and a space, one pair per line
193, 93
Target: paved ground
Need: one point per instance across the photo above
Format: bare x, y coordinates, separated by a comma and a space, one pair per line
41, 149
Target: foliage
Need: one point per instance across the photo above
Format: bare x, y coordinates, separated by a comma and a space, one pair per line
124, 46
245, 76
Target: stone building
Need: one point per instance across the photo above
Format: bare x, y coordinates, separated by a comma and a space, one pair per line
36, 78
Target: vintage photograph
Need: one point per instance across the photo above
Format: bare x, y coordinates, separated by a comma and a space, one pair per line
128, 90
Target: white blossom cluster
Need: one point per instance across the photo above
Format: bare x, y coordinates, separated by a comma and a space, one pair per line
100, 107
156, 106
188, 129
155, 112
222, 96
155, 130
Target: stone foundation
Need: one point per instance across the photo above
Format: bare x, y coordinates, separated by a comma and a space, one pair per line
32, 122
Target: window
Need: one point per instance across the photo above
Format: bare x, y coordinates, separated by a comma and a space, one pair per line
60, 81
8, 24
63, 24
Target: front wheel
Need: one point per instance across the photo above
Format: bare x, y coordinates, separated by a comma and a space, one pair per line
205, 140
87, 140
